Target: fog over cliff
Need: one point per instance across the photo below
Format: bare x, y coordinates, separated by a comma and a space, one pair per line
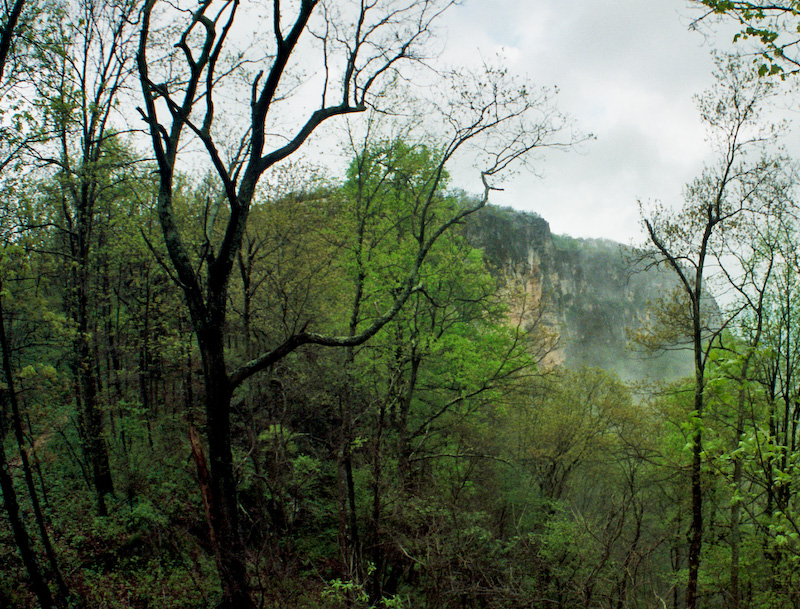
594, 291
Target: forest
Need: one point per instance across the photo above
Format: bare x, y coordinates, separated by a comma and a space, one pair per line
253, 357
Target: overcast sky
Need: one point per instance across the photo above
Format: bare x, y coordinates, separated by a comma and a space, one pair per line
627, 71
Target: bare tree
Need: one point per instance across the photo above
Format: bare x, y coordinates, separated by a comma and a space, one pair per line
320, 60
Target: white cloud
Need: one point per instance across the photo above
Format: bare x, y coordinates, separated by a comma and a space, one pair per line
627, 71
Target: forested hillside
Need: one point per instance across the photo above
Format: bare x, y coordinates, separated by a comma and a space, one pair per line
235, 375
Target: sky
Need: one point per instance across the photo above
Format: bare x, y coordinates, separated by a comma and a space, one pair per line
627, 72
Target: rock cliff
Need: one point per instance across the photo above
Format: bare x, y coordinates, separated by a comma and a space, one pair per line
593, 291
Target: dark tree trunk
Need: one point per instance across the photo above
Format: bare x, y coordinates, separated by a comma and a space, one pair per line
8, 31
403, 440
736, 512
735, 592
378, 554
349, 536
230, 549
91, 418
93, 444
696, 523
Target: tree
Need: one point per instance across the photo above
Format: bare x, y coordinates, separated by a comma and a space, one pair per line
355, 50
764, 469
438, 368
16, 69
693, 241
92, 57
8, 32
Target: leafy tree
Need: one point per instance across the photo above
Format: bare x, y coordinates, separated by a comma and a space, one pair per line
691, 241
444, 359
770, 393
82, 75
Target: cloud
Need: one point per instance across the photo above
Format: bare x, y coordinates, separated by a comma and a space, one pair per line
627, 71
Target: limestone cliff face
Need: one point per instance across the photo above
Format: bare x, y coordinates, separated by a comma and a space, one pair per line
592, 291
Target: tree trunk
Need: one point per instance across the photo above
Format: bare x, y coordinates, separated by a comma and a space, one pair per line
230, 550
403, 446
94, 446
349, 537
696, 524
378, 554
91, 418
736, 511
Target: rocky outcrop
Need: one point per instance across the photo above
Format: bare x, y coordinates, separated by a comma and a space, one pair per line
594, 291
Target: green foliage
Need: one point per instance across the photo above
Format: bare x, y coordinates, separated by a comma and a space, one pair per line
338, 593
